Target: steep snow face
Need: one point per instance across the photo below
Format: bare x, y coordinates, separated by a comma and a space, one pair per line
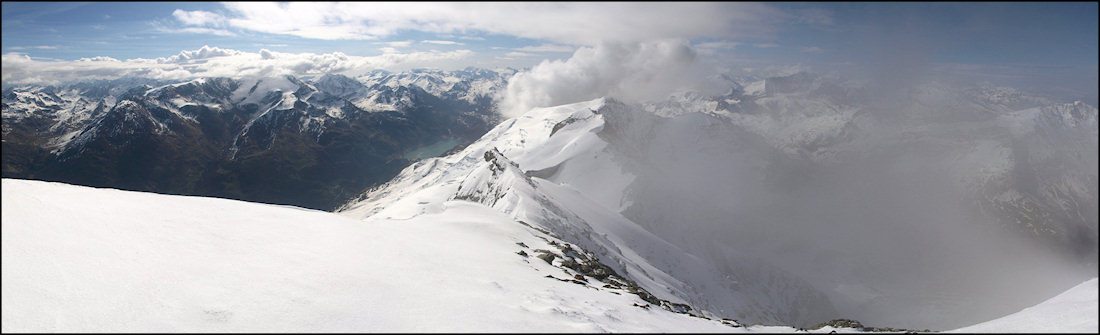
549, 168
80, 259
1073, 311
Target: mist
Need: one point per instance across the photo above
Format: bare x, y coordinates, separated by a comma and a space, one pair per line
632, 72
889, 232
873, 184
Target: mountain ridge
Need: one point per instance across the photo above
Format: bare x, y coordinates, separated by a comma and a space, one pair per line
225, 130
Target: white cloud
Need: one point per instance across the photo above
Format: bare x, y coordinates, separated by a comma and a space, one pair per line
99, 59
566, 23
547, 48
197, 30
266, 54
212, 62
518, 54
766, 45
397, 44
441, 42
632, 72
202, 53
198, 17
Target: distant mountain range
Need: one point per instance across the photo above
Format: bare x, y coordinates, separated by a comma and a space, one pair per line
308, 142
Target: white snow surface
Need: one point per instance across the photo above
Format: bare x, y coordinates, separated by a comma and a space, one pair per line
1073, 311
80, 259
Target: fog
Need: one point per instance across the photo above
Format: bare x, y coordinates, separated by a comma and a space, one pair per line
875, 186
633, 72
885, 235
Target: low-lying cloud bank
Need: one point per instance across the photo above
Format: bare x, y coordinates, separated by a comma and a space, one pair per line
210, 62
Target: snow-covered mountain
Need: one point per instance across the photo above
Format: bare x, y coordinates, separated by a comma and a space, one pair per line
787, 200
144, 262
315, 141
549, 168
582, 217
729, 204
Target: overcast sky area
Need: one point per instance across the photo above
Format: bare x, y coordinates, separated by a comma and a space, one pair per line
48, 41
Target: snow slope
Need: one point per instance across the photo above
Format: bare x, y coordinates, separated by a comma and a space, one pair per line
102, 260
1073, 311
549, 168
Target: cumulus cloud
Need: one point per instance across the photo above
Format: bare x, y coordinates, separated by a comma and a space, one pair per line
210, 62
631, 72
202, 53
566, 23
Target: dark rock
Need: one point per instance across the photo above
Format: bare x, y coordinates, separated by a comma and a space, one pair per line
546, 256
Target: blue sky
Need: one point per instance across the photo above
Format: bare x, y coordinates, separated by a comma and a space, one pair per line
1051, 33
125, 30
1060, 36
